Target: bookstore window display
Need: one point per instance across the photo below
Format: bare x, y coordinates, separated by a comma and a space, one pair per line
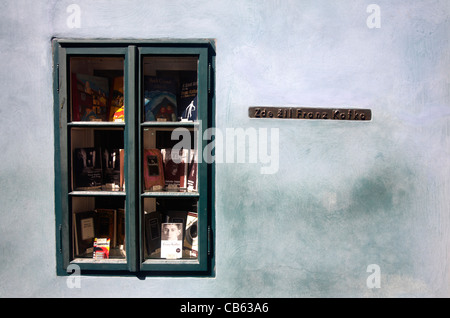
124, 184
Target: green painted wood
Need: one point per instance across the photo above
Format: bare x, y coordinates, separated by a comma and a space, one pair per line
130, 159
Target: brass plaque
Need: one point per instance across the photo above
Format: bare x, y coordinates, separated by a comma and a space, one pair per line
310, 113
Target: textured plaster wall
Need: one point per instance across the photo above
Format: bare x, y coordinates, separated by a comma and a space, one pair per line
346, 195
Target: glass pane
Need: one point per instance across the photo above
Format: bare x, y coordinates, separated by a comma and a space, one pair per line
170, 88
170, 228
97, 89
169, 159
97, 159
98, 227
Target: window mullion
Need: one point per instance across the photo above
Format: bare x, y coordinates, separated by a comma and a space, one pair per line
131, 148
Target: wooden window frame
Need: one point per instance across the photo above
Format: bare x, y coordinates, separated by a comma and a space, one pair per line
133, 51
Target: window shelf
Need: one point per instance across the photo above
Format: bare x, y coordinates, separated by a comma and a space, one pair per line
95, 124
92, 193
170, 194
170, 124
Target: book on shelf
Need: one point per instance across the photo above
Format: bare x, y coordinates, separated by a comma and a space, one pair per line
116, 105
101, 248
112, 168
87, 168
172, 240
176, 216
171, 234
98, 168
187, 105
120, 228
152, 231
160, 100
175, 168
122, 171
192, 174
105, 225
191, 234
83, 232
153, 170
173, 248
90, 97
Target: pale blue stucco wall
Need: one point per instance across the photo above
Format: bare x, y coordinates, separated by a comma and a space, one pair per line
346, 194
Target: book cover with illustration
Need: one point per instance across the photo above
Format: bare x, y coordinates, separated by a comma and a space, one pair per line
90, 98
171, 240
187, 105
153, 170
101, 248
175, 168
160, 100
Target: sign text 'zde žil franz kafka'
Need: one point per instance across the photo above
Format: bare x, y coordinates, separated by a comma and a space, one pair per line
310, 113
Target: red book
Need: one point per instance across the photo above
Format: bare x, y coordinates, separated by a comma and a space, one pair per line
175, 168
153, 170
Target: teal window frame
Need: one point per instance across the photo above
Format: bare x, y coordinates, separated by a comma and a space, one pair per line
133, 52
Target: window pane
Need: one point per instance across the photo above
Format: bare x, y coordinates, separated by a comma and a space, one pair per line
96, 88
170, 88
168, 159
170, 228
98, 228
168, 114
97, 159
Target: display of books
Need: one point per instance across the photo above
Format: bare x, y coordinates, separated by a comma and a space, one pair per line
90, 98
160, 101
100, 233
108, 224
94, 161
98, 169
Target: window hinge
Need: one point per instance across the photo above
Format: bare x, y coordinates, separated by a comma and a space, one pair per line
60, 239
209, 240
209, 78
57, 77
